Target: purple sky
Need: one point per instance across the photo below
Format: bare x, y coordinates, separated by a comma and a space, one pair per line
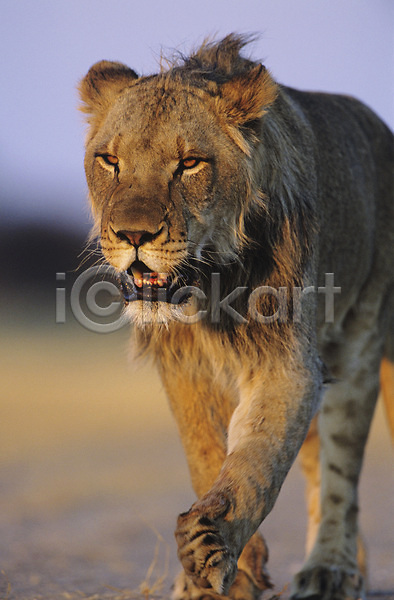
47, 46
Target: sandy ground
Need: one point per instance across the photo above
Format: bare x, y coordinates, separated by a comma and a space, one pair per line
92, 476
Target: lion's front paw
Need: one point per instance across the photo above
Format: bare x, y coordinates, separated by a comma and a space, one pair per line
203, 550
327, 583
243, 588
185, 589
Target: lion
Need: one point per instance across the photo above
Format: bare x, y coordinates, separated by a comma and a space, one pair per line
252, 228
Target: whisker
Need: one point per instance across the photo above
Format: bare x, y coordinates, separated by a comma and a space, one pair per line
90, 250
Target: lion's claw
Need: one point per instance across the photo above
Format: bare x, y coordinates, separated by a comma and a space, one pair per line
205, 556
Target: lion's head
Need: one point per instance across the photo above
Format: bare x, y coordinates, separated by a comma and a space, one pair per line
168, 165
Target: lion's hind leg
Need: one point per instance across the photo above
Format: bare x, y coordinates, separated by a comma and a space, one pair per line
387, 388
310, 463
387, 368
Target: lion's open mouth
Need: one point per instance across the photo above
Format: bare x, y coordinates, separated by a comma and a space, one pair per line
141, 283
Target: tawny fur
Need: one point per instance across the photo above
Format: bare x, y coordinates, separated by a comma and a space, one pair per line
286, 188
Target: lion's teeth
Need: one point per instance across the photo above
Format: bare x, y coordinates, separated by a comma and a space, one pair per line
151, 279
154, 279
161, 279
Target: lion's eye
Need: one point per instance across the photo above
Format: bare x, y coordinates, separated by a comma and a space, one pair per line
110, 159
189, 163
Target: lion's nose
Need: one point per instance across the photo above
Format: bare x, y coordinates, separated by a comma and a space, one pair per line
137, 238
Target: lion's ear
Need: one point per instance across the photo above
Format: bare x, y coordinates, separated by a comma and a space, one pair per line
247, 96
103, 82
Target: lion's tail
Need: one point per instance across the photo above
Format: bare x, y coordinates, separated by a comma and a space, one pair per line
387, 375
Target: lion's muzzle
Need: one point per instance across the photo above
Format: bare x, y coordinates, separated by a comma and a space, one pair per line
141, 283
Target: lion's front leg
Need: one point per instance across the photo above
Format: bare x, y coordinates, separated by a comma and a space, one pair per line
203, 412
265, 433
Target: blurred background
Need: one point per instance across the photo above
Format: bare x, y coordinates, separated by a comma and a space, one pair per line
91, 470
